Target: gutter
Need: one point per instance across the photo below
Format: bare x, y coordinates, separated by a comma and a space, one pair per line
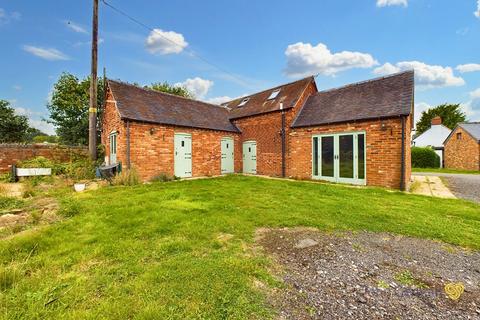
283, 142
402, 172
128, 144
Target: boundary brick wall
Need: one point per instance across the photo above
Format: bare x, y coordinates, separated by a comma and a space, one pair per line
12, 153
464, 153
383, 150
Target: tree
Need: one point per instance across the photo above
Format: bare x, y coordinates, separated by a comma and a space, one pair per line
13, 128
69, 108
451, 115
172, 89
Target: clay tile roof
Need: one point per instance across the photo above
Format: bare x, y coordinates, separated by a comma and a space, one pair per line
147, 105
258, 103
378, 98
473, 128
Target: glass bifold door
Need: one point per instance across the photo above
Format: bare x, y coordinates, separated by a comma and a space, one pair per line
339, 157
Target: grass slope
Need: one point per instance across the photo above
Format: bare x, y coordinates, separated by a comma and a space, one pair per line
444, 170
161, 251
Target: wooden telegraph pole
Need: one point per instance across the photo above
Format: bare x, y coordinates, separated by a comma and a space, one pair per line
92, 111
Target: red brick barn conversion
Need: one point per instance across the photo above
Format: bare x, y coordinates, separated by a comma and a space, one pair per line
357, 134
462, 147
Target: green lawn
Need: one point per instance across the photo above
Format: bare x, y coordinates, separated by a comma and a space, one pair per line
162, 251
444, 170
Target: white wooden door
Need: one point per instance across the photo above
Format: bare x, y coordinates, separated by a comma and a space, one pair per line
113, 148
227, 155
250, 157
183, 155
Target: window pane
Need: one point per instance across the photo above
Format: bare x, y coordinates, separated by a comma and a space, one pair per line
346, 156
361, 156
315, 156
327, 157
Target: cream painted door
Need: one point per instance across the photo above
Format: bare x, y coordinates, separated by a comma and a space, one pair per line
227, 155
250, 157
183, 155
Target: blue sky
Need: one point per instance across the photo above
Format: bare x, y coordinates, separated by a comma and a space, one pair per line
258, 43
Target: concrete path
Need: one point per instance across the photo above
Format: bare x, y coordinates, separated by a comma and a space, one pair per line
430, 186
465, 186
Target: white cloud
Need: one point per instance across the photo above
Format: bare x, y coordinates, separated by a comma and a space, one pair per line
17, 87
475, 94
46, 53
6, 17
469, 67
34, 118
419, 108
304, 59
477, 12
220, 100
472, 107
165, 42
198, 86
385, 3
87, 43
75, 27
426, 76
43, 126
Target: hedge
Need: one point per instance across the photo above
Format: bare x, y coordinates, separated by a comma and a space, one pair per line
425, 158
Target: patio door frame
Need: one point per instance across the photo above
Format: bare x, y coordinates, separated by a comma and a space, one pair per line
317, 174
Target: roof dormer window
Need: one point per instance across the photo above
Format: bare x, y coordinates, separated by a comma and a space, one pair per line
243, 102
274, 94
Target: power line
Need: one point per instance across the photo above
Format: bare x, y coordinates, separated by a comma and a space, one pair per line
193, 53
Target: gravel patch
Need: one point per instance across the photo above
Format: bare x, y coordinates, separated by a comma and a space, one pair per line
369, 276
464, 187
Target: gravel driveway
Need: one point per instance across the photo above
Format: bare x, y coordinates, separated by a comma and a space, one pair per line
365, 275
465, 186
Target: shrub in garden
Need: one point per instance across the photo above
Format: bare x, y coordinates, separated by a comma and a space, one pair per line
424, 158
128, 177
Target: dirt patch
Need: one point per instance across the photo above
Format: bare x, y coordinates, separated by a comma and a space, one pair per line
370, 276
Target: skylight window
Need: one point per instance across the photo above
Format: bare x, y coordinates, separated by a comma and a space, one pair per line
244, 102
274, 94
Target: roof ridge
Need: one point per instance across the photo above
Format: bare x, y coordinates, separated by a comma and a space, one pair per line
365, 81
165, 93
312, 77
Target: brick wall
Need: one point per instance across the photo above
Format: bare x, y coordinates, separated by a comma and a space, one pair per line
111, 122
383, 150
265, 129
462, 153
11, 153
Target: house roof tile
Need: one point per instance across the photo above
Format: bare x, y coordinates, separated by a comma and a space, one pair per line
147, 105
259, 103
378, 98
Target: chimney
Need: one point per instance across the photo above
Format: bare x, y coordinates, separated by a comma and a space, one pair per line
436, 121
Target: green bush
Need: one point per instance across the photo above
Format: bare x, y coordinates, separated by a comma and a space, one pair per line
81, 168
424, 158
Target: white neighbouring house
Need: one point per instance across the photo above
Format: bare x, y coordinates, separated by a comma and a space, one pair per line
434, 137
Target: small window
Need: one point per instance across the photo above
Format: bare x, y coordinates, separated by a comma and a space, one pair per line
244, 102
249, 149
274, 94
459, 136
183, 143
227, 145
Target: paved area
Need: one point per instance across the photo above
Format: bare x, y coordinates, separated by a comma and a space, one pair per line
430, 186
465, 186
